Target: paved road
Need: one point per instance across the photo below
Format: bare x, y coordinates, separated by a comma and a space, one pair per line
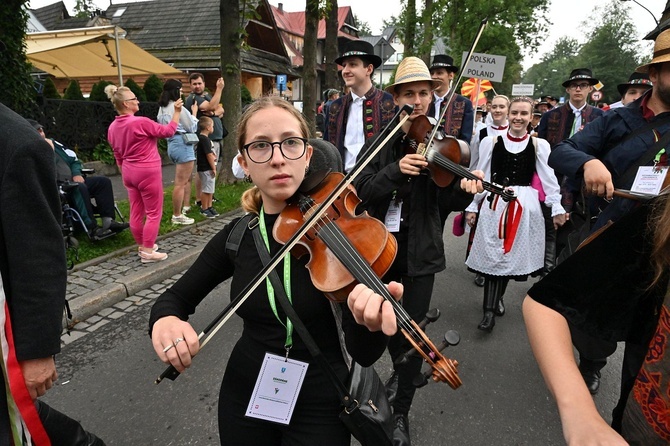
107, 370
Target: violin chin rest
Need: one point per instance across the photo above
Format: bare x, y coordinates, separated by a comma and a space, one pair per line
313, 180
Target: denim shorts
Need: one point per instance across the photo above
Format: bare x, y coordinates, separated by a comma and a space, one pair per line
180, 152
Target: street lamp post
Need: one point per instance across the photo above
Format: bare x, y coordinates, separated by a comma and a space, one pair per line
646, 9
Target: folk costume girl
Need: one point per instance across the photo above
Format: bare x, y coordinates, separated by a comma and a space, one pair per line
509, 242
499, 126
272, 141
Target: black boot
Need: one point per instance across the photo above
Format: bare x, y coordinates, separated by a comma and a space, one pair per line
62, 429
500, 305
391, 386
490, 297
550, 236
401, 430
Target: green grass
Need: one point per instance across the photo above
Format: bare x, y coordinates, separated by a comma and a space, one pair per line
227, 194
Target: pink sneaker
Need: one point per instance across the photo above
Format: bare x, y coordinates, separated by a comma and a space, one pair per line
139, 249
153, 256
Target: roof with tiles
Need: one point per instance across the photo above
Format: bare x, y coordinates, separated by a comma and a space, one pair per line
294, 23
164, 24
50, 15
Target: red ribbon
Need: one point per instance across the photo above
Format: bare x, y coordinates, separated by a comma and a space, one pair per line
509, 224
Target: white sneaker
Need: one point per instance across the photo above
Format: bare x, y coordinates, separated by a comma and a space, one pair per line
139, 249
186, 209
153, 256
182, 220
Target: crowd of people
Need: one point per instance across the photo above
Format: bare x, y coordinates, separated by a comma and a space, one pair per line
536, 166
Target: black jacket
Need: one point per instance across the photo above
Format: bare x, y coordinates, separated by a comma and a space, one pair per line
32, 253
423, 234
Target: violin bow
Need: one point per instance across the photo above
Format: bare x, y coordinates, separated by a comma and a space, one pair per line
213, 327
452, 90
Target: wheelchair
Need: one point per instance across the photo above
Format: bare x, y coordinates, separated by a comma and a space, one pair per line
72, 220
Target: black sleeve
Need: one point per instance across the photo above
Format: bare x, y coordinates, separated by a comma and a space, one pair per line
377, 182
603, 288
212, 267
32, 253
363, 345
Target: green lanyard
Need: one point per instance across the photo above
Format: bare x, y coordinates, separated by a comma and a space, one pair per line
287, 285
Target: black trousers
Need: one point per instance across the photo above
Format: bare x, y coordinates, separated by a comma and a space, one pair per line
593, 352
100, 189
416, 302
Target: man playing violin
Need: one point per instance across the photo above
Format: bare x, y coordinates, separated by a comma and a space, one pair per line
609, 153
396, 188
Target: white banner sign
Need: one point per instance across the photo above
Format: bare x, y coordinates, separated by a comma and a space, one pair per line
523, 89
484, 66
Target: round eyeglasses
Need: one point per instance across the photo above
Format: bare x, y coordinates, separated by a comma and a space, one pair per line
261, 152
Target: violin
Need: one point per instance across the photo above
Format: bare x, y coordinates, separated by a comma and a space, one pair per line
346, 249
447, 157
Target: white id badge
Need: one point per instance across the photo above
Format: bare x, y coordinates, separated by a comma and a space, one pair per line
277, 389
392, 220
649, 179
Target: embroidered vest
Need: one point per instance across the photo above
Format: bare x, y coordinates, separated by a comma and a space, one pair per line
516, 168
378, 110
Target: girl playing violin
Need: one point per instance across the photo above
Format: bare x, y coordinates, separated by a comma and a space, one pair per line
274, 153
509, 241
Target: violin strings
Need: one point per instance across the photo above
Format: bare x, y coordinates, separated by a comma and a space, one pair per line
333, 233
329, 233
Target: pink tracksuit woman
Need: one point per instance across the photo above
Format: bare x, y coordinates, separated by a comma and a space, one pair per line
134, 141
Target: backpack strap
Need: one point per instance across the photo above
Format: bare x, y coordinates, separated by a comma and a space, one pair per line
234, 240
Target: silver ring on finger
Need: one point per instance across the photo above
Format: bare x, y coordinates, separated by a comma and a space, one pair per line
165, 350
177, 341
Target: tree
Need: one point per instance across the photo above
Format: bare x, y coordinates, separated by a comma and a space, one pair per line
50, 91
15, 82
312, 17
73, 92
245, 95
611, 49
555, 67
610, 52
410, 28
232, 21
98, 91
153, 87
363, 27
136, 89
513, 24
331, 51
427, 34
83, 8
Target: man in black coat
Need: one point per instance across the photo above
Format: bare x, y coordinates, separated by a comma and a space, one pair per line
32, 286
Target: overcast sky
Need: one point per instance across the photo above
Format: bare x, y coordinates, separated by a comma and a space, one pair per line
565, 15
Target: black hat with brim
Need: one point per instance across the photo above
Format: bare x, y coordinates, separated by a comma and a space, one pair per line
581, 74
443, 61
635, 80
361, 49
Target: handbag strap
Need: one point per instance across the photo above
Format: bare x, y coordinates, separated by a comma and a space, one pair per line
347, 401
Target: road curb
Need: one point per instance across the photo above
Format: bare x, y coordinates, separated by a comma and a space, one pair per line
88, 304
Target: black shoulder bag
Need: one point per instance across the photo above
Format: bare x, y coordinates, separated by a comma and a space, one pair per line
366, 410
